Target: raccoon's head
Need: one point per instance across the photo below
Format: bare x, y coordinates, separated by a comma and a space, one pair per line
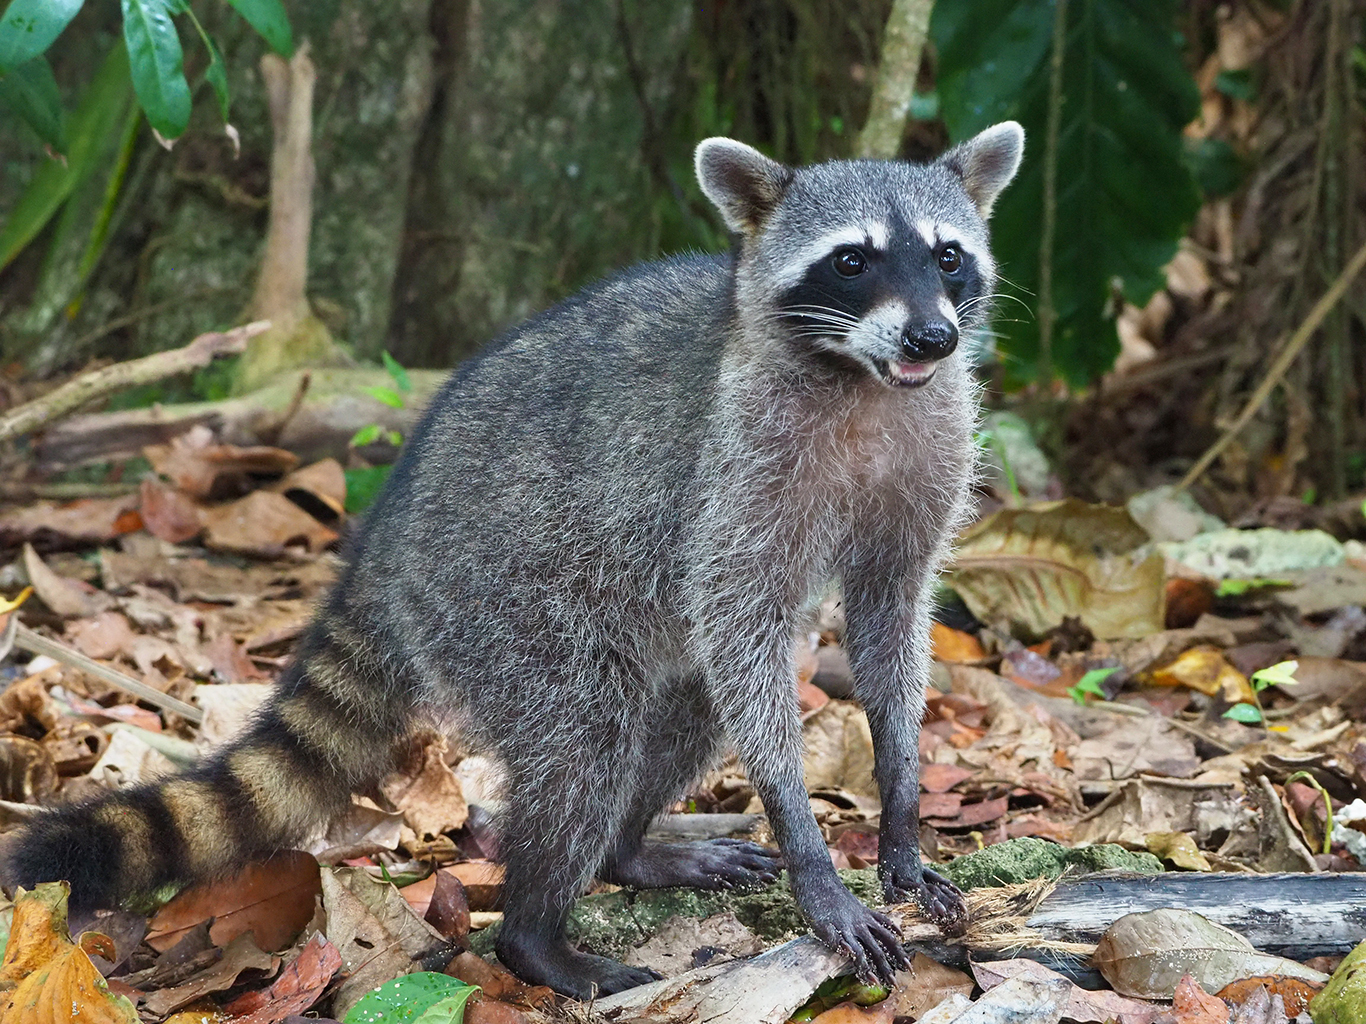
876, 265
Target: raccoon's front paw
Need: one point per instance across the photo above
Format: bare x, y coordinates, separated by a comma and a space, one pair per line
872, 939
939, 899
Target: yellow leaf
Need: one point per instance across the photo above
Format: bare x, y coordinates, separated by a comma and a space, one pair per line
1203, 668
7, 606
48, 979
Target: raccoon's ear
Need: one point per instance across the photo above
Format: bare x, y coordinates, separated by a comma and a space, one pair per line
741, 182
987, 162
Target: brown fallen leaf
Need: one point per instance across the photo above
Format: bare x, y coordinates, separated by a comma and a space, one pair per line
1028, 569
375, 930
89, 521
1083, 1005
103, 636
264, 524
440, 900
940, 778
940, 805
272, 898
26, 701
295, 990
28, 774
487, 1011
1030, 669
838, 749
1295, 994
48, 979
483, 882
230, 661
168, 514
496, 982
64, 596
199, 466
1179, 848
241, 954
954, 645
1145, 955
972, 815
320, 484
429, 797
1193, 1005
851, 1013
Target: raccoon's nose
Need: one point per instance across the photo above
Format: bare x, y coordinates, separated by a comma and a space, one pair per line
929, 341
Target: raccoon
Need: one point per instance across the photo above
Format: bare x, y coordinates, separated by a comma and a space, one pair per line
597, 548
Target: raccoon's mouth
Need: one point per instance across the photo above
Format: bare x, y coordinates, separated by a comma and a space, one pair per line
908, 375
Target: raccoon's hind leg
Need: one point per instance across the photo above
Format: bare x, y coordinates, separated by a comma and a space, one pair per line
677, 741
565, 803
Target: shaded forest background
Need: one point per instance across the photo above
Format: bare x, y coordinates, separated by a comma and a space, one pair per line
1200, 186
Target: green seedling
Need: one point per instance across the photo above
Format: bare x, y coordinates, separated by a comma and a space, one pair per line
372, 432
1280, 674
1089, 684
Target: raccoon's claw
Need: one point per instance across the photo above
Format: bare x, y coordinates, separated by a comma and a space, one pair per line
871, 939
939, 899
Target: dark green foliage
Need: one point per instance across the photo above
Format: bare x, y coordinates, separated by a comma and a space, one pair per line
28, 27
1125, 191
156, 60
362, 486
30, 90
157, 64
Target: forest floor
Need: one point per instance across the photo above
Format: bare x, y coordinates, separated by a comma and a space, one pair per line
1199, 698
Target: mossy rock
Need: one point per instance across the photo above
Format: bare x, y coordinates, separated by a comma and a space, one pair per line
1343, 999
1027, 858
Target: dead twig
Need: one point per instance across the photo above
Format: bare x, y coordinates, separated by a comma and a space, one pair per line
1278, 368
98, 383
35, 643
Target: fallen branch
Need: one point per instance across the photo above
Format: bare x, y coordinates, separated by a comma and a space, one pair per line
1297, 341
98, 383
35, 643
314, 423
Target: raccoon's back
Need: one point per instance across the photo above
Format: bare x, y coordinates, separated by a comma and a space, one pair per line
548, 484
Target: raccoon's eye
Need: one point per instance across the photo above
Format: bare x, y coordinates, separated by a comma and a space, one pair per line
950, 259
850, 263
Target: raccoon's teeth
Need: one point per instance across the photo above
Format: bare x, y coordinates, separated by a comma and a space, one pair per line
910, 373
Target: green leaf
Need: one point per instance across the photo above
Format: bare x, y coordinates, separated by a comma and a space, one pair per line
1280, 674
101, 110
1090, 683
1248, 714
157, 65
1237, 588
367, 434
1124, 190
269, 19
29, 27
363, 486
396, 371
421, 998
30, 90
388, 396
